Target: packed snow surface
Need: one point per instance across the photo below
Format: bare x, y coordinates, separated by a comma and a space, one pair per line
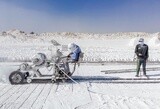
86, 94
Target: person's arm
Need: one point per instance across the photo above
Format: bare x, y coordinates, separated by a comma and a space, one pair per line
69, 55
136, 50
147, 54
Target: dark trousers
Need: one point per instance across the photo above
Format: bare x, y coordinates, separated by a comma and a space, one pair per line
143, 63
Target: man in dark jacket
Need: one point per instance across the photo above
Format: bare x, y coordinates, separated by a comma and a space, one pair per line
141, 51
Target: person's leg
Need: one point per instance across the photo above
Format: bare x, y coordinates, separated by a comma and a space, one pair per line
73, 69
138, 66
144, 67
66, 66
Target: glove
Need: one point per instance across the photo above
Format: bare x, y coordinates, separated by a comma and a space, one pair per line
68, 56
139, 54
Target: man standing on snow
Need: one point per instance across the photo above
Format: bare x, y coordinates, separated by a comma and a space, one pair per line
141, 51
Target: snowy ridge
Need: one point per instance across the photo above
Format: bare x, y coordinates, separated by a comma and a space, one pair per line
18, 33
95, 89
21, 36
18, 45
99, 36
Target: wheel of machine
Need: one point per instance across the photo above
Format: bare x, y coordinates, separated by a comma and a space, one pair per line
16, 77
29, 80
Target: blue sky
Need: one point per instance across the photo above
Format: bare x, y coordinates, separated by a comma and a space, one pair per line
96, 16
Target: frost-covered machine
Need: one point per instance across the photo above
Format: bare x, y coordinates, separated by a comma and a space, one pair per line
31, 71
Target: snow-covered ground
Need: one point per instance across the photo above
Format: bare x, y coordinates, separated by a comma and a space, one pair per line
19, 46
87, 94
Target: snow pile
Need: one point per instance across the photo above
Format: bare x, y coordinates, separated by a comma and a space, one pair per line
109, 47
46, 35
8, 39
133, 41
155, 41
15, 32
105, 36
16, 36
19, 34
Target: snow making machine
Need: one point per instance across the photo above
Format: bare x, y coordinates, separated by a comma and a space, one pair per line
31, 71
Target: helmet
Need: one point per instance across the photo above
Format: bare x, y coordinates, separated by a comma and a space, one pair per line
71, 47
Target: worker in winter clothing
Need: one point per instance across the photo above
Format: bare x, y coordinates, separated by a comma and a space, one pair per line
74, 52
141, 51
72, 57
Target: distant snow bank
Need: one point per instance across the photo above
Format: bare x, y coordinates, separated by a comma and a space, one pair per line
21, 34
133, 41
111, 47
152, 41
17, 36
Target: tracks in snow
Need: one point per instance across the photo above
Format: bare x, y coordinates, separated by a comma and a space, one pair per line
102, 79
64, 95
128, 70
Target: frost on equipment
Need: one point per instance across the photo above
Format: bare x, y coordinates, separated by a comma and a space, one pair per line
28, 72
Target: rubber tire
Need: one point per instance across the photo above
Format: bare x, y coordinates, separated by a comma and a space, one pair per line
16, 73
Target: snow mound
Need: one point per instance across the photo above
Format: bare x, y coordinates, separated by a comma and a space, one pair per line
133, 41
96, 36
155, 41
18, 34
15, 32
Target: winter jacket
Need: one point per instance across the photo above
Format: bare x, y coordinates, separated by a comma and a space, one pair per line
142, 51
75, 54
